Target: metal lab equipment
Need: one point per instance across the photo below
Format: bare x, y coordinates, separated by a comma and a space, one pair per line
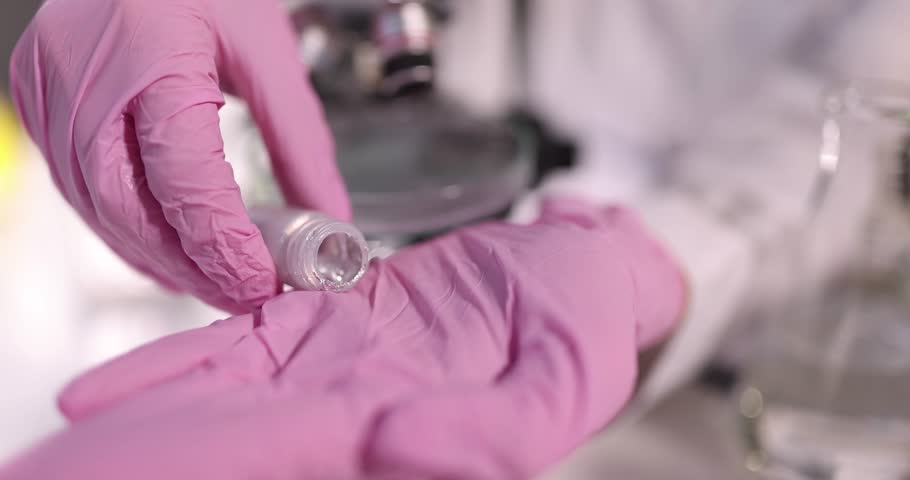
415, 163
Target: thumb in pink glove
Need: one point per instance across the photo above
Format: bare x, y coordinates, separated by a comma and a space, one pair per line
122, 97
486, 354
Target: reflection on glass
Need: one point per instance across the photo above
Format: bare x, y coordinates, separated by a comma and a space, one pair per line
830, 396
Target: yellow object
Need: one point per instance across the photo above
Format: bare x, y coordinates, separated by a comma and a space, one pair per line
11, 142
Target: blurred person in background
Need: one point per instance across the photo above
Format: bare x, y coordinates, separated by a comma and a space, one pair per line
699, 115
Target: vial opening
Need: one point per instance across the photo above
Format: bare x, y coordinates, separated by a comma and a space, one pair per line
339, 261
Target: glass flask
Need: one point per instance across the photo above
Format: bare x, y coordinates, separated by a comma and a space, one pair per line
829, 396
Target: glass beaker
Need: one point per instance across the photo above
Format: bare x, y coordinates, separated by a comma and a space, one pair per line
829, 396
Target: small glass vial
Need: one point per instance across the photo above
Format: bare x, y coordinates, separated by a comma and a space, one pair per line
312, 251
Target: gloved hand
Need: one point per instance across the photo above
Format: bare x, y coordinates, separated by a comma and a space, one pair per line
122, 98
485, 354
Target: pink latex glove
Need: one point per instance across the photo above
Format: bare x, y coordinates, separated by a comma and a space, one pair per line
122, 98
486, 354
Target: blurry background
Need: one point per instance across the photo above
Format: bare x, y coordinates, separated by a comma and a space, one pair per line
703, 115
12, 22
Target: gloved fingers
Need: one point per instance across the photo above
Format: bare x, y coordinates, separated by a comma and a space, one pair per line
176, 123
208, 426
28, 92
149, 365
572, 365
171, 57
306, 328
264, 67
135, 259
660, 284
566, 382
130, 220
